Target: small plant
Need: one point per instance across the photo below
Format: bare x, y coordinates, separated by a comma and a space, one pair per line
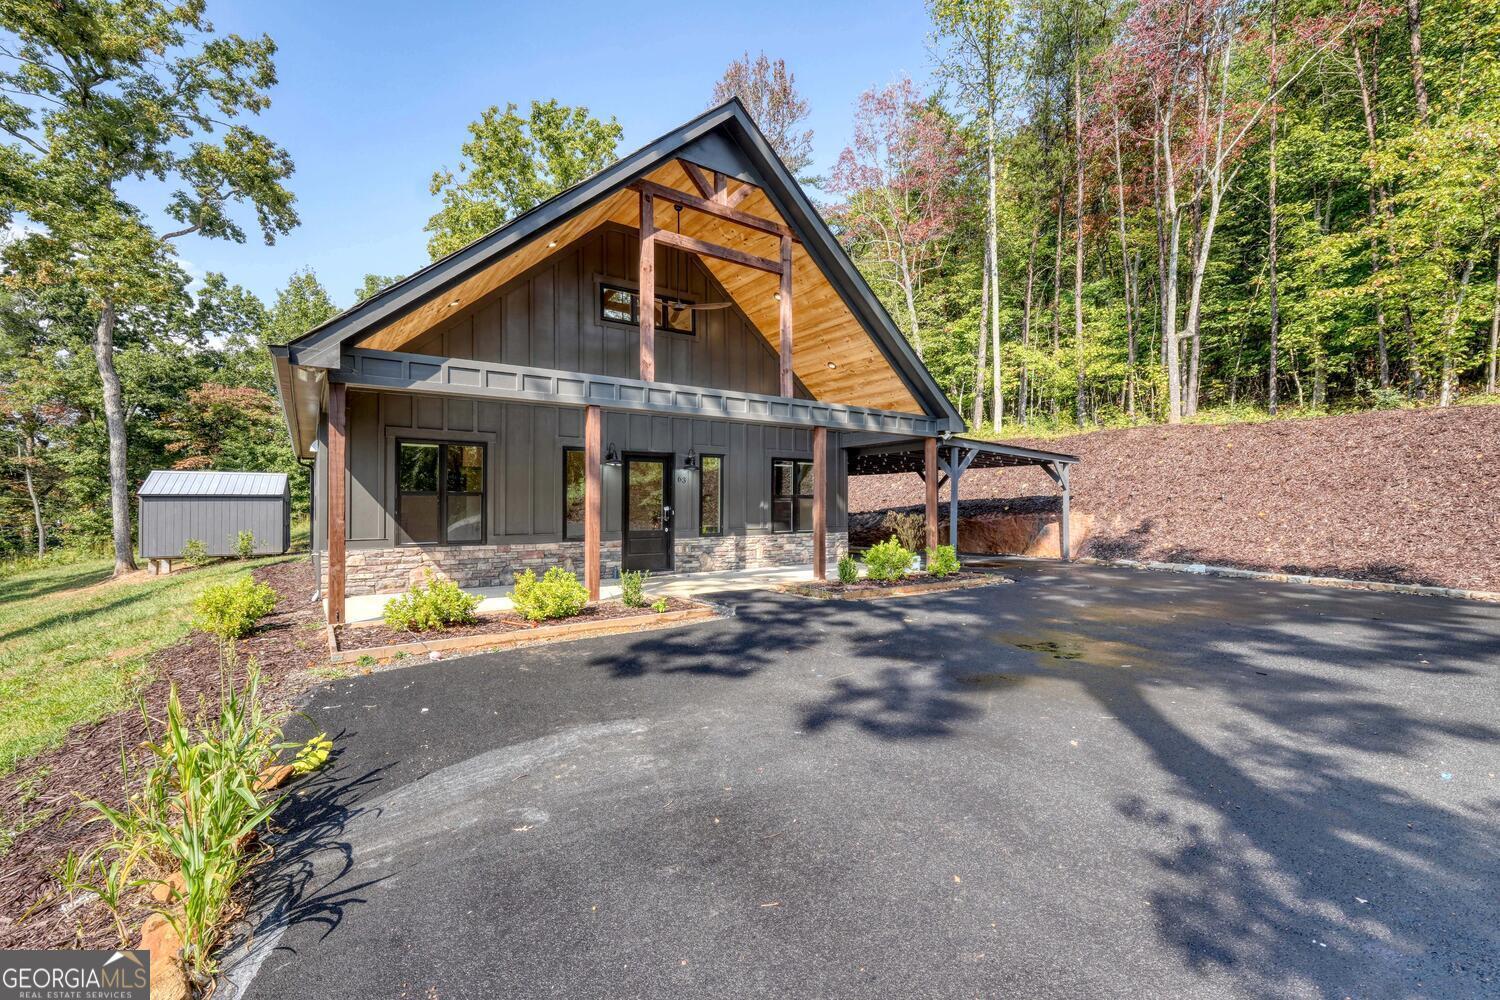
244, 544
659, 605
632, 583
890, 560
230, 610
434, 604
194, 552
365, 660
907, 528
848, 570
313, 755
558, 594
942, 561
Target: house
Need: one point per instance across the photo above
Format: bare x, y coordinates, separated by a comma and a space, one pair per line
671, 366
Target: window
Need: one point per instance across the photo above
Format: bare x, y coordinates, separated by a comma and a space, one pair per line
791, 495
574, 480
440, 491
710, 495
622, 305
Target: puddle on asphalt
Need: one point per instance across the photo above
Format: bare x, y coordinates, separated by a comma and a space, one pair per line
1053, 647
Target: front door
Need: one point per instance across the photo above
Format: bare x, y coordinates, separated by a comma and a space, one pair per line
647, 542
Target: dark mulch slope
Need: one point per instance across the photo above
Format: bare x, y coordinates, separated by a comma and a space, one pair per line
1408, 496
286, 643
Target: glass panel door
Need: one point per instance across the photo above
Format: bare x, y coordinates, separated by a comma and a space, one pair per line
648, 516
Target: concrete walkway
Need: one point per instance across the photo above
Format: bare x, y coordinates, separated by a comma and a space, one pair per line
368, 607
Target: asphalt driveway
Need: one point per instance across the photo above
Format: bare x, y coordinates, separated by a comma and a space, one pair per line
1085, 783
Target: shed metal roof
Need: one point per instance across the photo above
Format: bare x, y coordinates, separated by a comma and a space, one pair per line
212, 483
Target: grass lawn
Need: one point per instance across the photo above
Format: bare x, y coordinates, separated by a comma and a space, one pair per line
73, 646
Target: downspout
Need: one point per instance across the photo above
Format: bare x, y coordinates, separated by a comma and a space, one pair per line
311, 465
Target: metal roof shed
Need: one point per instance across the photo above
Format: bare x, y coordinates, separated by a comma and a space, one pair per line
213, 507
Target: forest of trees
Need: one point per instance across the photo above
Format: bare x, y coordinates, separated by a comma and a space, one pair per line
1093, 213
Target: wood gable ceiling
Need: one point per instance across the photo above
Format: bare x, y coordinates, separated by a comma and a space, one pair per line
833, 355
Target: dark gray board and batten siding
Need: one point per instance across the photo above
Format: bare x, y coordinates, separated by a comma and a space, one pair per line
524, 472
213, 507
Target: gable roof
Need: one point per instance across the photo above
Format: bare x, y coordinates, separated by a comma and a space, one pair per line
212, 483
837, 365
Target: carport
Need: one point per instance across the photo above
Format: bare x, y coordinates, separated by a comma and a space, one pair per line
945, 461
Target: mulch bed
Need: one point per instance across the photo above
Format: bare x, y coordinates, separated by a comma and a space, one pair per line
916, 583
1403, 496
502, 623
286, 644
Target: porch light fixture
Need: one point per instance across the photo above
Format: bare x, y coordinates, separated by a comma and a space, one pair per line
611, 456
690, 460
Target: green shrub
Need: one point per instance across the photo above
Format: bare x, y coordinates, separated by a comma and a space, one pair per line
659, 605
942, 561
632, 583
194, 552
907, 528
430, 605
890, 560
848, 569
313, 755
558, 594
230, 610
244, 544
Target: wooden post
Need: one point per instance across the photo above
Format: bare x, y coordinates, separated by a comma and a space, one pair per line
593, 498
1064, 527
646, 296
338, 411
930, 473
820, 503
786, 316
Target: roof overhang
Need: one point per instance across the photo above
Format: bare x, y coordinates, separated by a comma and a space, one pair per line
722, 138
871, 456
300, 389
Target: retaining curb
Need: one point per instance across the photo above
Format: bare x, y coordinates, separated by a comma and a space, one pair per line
1342, 583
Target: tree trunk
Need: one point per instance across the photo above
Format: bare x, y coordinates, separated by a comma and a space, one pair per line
1414, 31
976, 418
1379, 207
992, 241
1449, 389
1127, 279
1023, 387
1078, 351
26, 450
1169, 280
909, 292
1275, 303
114, 421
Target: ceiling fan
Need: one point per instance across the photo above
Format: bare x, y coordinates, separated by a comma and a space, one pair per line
678, 308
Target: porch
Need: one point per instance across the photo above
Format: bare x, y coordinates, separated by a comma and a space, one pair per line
368, 607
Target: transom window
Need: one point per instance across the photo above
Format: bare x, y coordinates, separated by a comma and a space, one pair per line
791, 495
623, 305
440, 491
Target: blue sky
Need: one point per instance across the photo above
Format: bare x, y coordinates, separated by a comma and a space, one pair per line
375, 96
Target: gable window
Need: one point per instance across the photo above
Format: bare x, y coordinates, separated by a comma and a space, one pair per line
623, 305
574, 479
440, 491
711, 495
791, 495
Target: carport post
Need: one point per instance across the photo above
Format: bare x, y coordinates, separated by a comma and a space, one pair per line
954, 471
1064, 541
593, 499
930, 476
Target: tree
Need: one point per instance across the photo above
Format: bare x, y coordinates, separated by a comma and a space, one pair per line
768, 90
97, 94
511, 164
896, 180
373, 285
299, 307
226, 427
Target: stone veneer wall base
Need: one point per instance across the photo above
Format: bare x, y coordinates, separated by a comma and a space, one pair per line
392, 570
